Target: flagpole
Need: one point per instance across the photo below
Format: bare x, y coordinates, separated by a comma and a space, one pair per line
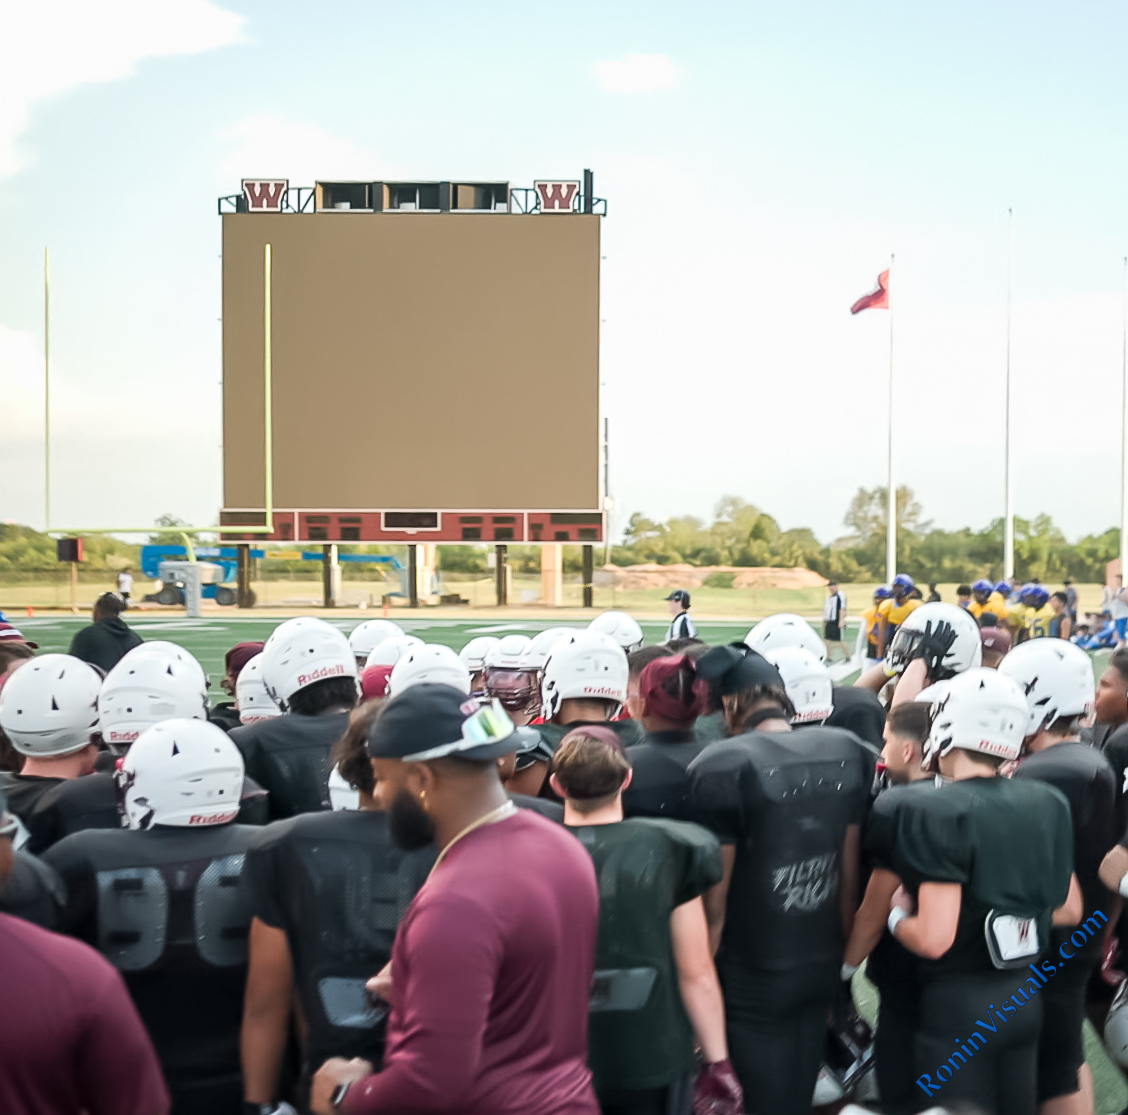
46, 389
891, 488
1124, 424
1008, 471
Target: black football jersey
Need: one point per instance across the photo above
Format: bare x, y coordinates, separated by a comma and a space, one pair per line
90, 802
34, 892
1009, 845
170, 909
289, 757
659, 780
785, 799
1086, 779
337, 886
858, 711
629, 731
24, 791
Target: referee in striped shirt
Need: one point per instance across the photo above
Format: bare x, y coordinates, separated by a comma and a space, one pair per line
682, 626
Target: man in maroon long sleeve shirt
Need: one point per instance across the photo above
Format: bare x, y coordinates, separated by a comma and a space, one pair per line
492, 963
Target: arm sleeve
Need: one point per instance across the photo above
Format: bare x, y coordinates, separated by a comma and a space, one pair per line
115, 1064
455, 951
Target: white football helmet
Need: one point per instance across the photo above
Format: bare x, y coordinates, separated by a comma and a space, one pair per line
591, 668
473, 654
389, 651
310, 651
785, 629
508, 653
1057, 677
49, 706
251, 698
978, 710
342, 796
432, 664
620, 627
367, 635
180, 772
509, 677
807, 682
543, 643
162, 649
144, 689
964, 650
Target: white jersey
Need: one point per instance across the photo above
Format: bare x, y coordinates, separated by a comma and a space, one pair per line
681, 628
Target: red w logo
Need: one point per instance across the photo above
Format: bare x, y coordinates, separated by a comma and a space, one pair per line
556, 197
265, 195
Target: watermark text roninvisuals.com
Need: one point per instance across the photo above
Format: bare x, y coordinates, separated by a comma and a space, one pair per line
1087, 930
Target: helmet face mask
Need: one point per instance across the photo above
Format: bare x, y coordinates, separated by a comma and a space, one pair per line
516, 690
945, 636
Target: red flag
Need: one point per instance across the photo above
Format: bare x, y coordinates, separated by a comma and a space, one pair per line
877, 299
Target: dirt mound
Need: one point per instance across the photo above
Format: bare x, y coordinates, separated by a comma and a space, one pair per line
650, 575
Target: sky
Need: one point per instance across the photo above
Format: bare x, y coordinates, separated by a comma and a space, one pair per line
761, 162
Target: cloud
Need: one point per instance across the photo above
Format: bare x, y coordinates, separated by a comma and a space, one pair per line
266, 144
637, 73
53, 46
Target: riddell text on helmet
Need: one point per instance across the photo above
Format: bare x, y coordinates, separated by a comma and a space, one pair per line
317, 675
215, 819
601, 691
122, 737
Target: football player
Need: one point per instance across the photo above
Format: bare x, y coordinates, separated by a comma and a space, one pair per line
986, 865
226, 714
473, 654
986, 598
1057, 678
620, 627
310, 671
894, 611
806, 681
165, 902
652, 873
252, 700
512, 679
366, 636
154, 682
786, 807
670, 699
433, 664
322, 925
871, 621
891, 967
49, 712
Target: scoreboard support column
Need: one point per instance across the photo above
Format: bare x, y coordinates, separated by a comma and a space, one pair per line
413, 575
589, 574
330, 575
552, 574
502, 574
244, 596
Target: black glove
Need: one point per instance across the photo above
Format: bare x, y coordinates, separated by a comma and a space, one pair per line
935, 642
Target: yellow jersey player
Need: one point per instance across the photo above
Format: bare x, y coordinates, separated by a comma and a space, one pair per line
873, 622
893, 612
985, 598
1039, 614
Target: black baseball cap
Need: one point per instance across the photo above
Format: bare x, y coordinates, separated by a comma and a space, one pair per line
736, 667
680, 595
438, 721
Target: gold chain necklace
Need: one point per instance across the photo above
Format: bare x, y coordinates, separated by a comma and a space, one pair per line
506, 809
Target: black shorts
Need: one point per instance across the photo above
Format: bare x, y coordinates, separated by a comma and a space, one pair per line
832, 632
1060, 1046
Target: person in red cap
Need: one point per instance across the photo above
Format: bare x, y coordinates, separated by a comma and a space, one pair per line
226, 714
996, 642
670, 698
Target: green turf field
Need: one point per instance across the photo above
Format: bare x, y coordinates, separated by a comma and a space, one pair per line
209, 639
